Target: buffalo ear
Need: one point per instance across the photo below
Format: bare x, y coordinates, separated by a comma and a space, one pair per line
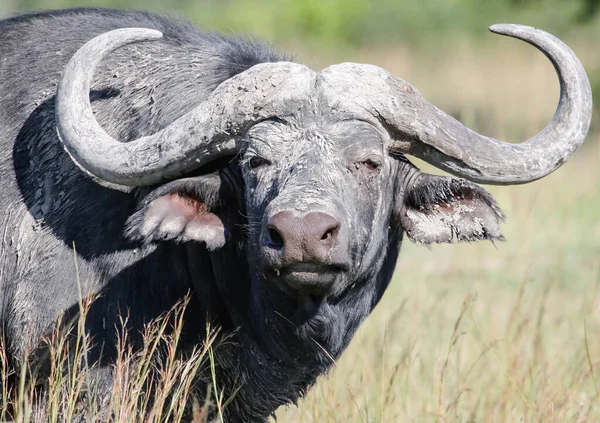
185, 210
441, 209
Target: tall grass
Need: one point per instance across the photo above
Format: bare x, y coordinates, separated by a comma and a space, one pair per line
68, 393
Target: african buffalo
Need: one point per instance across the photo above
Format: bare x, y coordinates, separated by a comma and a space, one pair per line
177, 160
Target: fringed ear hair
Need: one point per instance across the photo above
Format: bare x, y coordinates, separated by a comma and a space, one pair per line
441, 209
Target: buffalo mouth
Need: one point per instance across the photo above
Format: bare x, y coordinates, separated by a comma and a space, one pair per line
307, 286
308, 278
307, 282
309, 275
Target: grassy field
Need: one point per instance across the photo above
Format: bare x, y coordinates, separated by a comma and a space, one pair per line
480, 332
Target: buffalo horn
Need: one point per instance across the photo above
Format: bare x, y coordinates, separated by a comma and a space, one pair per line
202, 135
420, 129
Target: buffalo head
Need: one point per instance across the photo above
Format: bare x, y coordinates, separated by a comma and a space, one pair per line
312, 190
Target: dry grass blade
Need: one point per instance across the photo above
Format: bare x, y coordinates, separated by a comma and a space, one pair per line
153, 384
453, 340
589, 360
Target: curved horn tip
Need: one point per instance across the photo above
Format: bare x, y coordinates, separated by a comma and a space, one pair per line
145, 33
509, 29
154, 33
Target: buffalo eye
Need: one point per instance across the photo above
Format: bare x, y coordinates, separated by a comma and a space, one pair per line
256, 162
370, 164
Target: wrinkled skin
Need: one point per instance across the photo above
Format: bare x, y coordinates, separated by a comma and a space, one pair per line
338, 168
289, 314
323, 169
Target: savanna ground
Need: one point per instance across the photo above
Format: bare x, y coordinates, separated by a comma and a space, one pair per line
505, 332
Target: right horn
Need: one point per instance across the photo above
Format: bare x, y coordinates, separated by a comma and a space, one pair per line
202, 135
446, 143
420, 129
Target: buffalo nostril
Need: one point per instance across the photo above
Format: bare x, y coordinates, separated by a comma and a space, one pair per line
328, 227
330, 233
276, 240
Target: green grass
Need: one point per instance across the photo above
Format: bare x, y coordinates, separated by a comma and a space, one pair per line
350, 22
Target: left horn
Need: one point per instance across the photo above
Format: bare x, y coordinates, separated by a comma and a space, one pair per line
198, 137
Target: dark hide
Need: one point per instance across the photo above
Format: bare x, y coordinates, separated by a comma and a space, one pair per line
143, 249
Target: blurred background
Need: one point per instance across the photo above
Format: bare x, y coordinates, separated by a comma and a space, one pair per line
440, 46
472, 332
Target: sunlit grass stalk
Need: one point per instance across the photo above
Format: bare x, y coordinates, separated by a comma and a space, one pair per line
451, 344
154, 384
5, 374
